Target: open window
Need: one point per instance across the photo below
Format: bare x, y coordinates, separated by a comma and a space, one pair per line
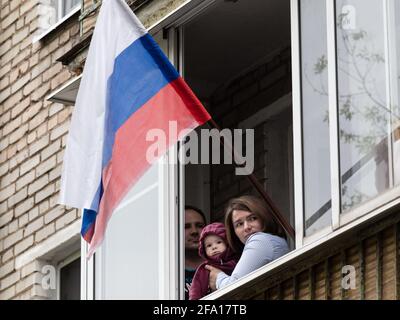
237, 59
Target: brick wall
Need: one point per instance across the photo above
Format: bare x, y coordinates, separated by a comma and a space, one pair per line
33, 136
240, 99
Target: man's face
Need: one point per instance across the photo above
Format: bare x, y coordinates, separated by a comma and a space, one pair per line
194, 223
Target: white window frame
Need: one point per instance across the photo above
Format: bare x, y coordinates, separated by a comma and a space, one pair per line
384, 199
59, 22
87, 272
60, 12
297, 124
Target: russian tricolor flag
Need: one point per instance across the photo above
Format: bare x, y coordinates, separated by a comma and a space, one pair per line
128, 87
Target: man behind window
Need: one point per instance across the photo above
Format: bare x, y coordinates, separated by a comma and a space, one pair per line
194, 223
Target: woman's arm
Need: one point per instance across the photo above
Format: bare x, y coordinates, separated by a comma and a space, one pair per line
257, 252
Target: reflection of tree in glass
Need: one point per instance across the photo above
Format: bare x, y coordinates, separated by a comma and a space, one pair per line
364, 114
372, 110
354, 198
362, 106
357, 63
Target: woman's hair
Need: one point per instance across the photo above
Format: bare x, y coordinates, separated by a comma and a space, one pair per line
256, 206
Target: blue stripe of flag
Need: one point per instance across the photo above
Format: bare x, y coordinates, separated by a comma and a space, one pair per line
89, 215
140, 71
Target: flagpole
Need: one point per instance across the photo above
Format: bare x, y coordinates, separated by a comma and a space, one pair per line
277, 215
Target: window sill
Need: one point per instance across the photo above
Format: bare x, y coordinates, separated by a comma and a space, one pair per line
234, 290
58, 25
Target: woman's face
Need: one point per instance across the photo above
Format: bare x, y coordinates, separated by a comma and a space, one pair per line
245, 223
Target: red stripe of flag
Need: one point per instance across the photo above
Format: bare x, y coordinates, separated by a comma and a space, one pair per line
175, 102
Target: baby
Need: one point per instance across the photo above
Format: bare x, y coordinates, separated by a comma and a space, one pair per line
214, 249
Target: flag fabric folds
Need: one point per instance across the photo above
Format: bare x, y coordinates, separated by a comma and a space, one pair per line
128, 87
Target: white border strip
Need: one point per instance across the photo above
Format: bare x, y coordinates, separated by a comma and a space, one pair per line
387, 15
297, 125
333, 116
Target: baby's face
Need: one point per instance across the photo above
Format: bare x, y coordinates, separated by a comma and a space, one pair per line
214, 245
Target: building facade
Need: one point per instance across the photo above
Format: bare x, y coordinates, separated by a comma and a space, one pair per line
316, 80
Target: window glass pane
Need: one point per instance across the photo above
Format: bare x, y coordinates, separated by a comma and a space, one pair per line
68, 5
131, 249
364, 113
70, 281
55, 10
395, 10
316, 158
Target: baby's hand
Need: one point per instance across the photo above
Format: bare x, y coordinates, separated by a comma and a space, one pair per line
212, 279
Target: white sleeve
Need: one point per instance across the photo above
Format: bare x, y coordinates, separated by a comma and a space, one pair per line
257, 252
